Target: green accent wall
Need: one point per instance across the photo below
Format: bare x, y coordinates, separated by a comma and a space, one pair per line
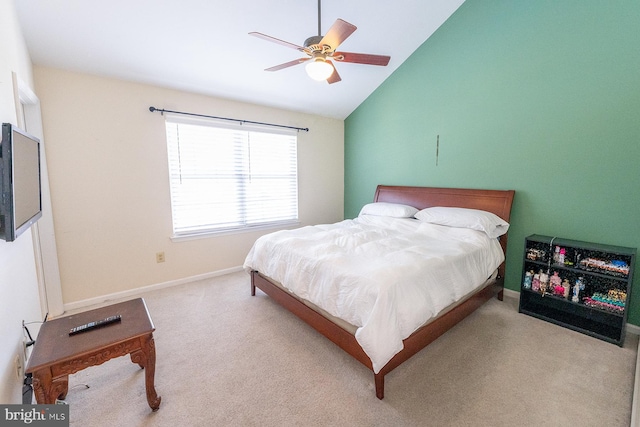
542, 97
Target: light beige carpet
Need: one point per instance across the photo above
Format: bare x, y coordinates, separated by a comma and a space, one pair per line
225, 358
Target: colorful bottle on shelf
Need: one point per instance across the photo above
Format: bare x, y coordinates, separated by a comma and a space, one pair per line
544, 282
579, 286
567, 288
528, 280
535, 283
555, 284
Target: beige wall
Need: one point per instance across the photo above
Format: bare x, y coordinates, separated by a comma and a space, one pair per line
109, 181
19, 298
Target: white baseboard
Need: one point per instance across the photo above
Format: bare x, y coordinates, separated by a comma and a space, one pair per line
508, 293
138, 291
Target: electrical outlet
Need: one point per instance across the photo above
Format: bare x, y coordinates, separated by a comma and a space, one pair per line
160, 257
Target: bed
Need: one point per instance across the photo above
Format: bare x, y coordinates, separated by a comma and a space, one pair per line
356, 333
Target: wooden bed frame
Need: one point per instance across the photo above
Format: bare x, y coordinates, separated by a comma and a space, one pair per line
496, 201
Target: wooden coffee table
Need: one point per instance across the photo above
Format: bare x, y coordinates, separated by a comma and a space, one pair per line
56, 354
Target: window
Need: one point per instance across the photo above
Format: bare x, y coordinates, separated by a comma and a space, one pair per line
230, 177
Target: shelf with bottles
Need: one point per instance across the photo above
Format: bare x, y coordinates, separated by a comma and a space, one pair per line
580, 285
578, 258
594, 291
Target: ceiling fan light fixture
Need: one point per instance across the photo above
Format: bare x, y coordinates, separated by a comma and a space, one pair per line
319, 69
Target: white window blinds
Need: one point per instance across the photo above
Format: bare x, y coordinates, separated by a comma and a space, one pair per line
228, 177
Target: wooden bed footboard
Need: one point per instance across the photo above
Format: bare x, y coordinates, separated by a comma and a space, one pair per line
496, 201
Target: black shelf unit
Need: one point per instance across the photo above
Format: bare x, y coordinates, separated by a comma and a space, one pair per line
599, 307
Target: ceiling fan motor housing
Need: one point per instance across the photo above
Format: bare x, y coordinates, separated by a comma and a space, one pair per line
312, 40
313, 47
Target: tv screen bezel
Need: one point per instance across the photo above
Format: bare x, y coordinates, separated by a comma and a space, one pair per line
9, 230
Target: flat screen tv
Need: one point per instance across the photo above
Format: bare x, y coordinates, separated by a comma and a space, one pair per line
20, 185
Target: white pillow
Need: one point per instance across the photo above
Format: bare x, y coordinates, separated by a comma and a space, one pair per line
475, 219
395, 210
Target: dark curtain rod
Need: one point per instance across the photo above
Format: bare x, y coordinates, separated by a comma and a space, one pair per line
153, 109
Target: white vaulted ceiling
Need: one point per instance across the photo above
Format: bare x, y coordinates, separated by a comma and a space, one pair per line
204, 47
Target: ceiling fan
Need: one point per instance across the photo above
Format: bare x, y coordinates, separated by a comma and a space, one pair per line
321, 51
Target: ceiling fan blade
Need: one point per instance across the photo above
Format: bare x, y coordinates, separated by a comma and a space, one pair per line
334, 77
361, 58
338, 33
278, 41
287, 64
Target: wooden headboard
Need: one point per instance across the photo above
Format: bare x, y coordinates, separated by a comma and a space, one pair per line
496, 201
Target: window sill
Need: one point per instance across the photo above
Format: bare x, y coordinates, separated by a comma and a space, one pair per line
209, 234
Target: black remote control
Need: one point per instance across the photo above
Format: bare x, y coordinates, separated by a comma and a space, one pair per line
97, 324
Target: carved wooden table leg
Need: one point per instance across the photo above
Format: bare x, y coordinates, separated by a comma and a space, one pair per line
46, 389
146, 359
60, 387
136, 357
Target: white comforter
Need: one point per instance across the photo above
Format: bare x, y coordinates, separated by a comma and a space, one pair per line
387, 276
